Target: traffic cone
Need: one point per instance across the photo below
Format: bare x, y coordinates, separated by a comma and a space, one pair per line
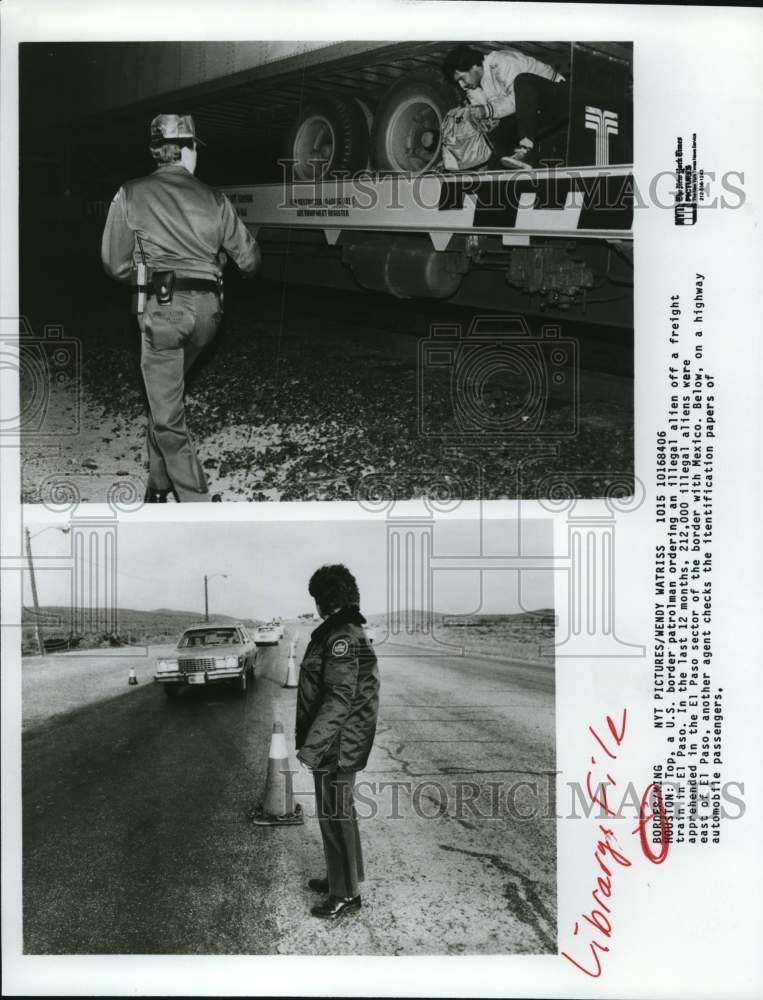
291, 672
278, 807
132, 679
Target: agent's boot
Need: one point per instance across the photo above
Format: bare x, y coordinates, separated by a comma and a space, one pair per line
155, 496
335, 907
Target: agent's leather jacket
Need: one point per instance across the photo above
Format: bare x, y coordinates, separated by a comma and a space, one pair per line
338, 695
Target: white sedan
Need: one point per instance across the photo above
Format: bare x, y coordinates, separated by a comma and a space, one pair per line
266, 635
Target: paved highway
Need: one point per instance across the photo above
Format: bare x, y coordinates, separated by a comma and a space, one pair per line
136, 839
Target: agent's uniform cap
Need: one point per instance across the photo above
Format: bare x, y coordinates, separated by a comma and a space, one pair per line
173, 128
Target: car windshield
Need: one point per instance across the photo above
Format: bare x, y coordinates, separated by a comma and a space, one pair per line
209, 637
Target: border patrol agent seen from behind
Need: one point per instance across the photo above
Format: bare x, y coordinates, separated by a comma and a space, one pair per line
337, 708
167, 235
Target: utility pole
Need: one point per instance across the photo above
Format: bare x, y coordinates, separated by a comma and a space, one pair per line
35, 602
206, 591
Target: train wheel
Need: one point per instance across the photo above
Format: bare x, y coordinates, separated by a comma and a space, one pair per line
406, 131
329, 135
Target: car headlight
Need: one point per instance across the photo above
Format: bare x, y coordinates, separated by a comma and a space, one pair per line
166, 666
226, 662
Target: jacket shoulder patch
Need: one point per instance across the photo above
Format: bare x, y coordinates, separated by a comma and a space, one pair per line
340, 647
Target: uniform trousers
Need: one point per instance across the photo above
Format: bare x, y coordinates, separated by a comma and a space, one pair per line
335, 808
173, 336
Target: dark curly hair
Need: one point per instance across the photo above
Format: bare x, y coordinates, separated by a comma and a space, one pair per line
462, 58
333, 587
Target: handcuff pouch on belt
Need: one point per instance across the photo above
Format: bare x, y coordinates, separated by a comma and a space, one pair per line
163, 283
144, 284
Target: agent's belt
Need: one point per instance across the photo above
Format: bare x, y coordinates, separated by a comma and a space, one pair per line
191, 285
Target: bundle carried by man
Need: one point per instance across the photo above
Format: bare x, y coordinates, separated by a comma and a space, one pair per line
463, 138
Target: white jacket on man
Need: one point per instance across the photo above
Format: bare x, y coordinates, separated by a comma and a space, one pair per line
500, 70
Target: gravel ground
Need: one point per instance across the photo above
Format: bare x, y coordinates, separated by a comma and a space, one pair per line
311, 397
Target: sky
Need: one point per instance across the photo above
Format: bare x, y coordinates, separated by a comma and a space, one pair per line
268, 565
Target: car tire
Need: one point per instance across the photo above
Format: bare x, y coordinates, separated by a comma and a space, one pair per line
243, 684
406, 131
331, 130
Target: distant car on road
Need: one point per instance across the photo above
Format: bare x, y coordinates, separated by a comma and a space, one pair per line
209, 654
267, 635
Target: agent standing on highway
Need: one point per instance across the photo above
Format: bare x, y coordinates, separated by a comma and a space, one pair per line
337, 707
514, 89
168, 234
